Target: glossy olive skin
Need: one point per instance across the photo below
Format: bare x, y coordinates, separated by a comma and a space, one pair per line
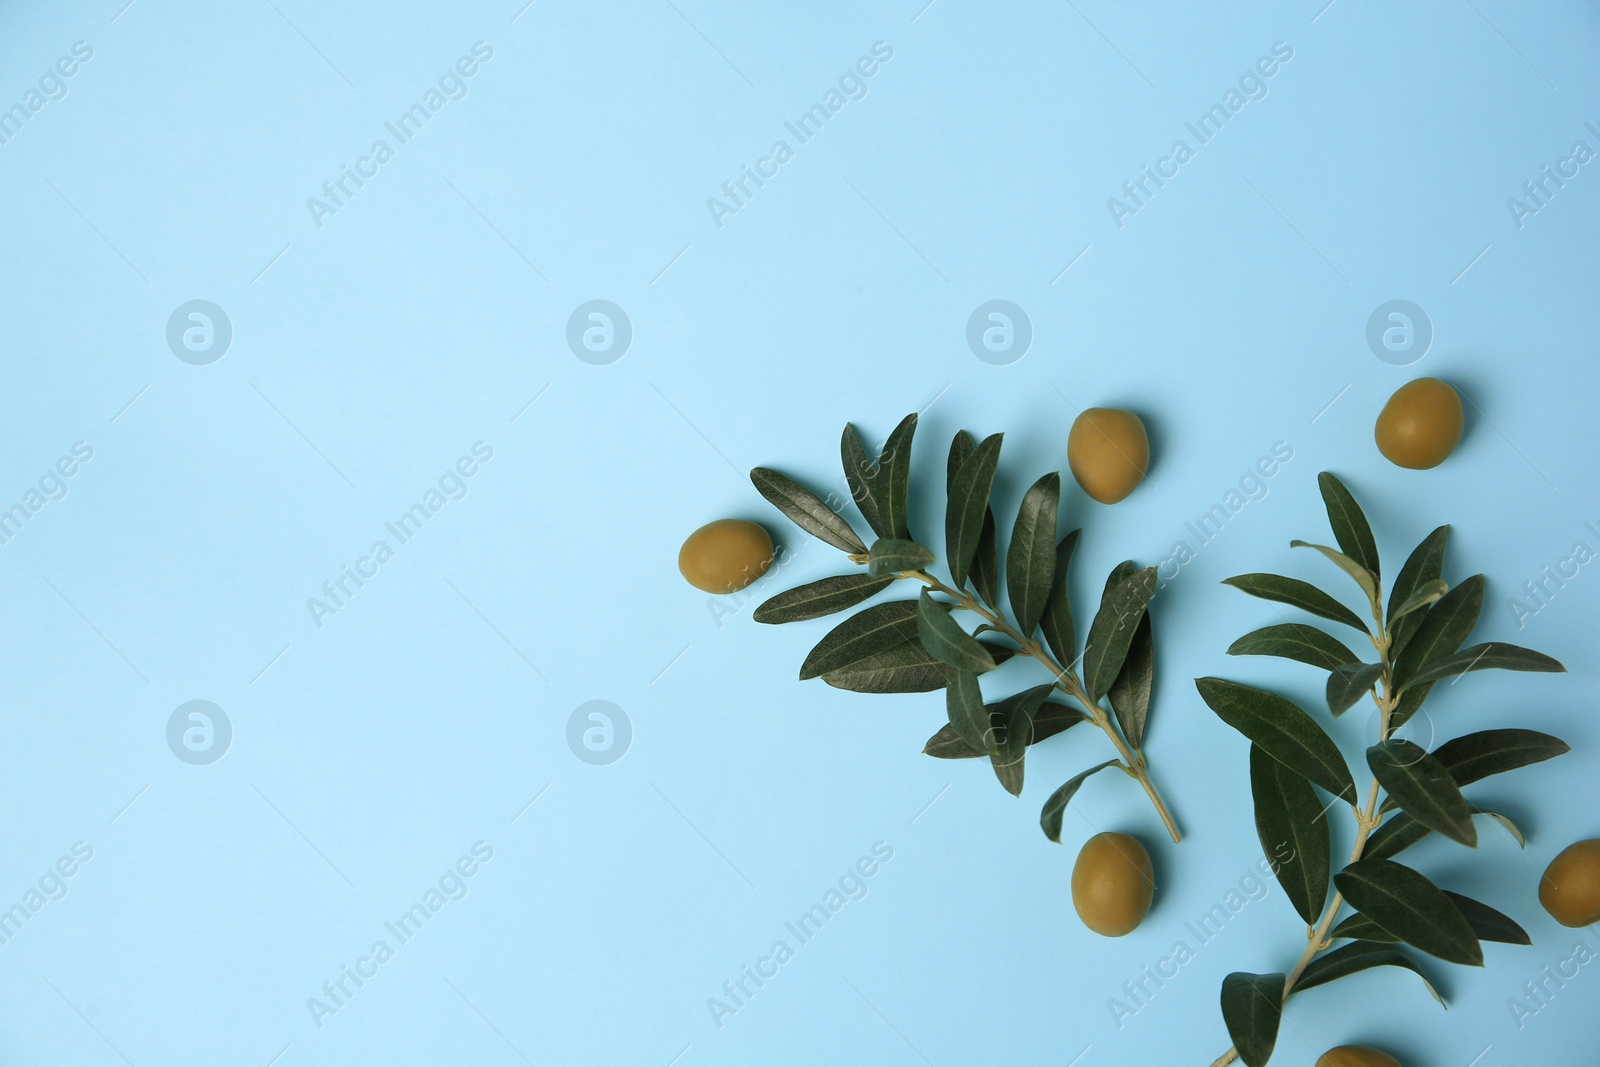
1356, 1056
1570, 888
1112, 884
1420, 425
725, 556
1108, 452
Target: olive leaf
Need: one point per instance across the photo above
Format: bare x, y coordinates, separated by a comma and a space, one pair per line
806, 509
1406, 904
890, 556
1126, 597
1350, 527
816, 599
890, 482
863, 634
1050, 719
1423, 788
1443, 630
858, 470
1252, 1008
1367, 580
1473, 757
1492, 655
1297, 641
1349, 683
1282, 730
1409, 704
968, 716
1295, 593
1359, 927
968, 506
1489, 924
947, 641
1017, 712
1360, 956
1288, 815
1425, 565
1056, 806
1057, 624
1130, 693
1031, 557
1401, 831
903, 668
1426, 594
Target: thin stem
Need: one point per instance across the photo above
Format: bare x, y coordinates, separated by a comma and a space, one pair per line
1366, 820
1067, 682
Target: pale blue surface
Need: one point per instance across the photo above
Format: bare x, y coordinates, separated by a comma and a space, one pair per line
426, 313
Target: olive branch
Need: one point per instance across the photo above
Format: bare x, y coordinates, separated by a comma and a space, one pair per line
917, 645
1418, 642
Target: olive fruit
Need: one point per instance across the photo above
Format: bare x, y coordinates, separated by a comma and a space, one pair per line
1108, 452
1420, 425
1570, 888
1356, 1056
725, 556
1112, 883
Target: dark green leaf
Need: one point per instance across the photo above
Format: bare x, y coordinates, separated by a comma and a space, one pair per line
1360, 956
1351, 682
1489, 924
1492, 655
1423, 788
816, 599
1476, 756
1252, 1008
904, 668
968, 504
944, 637
1295, 593
861, 635
1425, 565
1031, 558
858, 471
1289, 816
1017, 713
969, 718
1363, 577
1130, 693
891, 556
1056, 806
961, 447
1412, 908
1443, 630
1409, 703
1057, 623
1282, 730
1401, 831
1122, 605
1426, 594
1350, 528
1297, 641
1050, 719
806, 509
890, 483
985, 570
1359, 927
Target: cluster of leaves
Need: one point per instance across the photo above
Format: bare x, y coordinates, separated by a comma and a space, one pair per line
916, 645
1418, 642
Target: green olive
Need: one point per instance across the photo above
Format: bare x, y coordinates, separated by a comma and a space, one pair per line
1570, 888
1420, 425
1108, 452
725, 556
1356, 1056
1112, 883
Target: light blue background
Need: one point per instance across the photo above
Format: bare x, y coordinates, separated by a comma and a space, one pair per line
369, 354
